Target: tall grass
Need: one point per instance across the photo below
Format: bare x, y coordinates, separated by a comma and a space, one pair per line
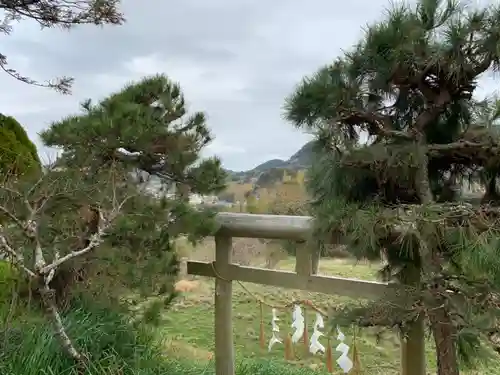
115, 347
28, 346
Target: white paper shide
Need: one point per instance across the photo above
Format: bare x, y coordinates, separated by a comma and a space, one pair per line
343, 361
297, 324
275, 331
315, 346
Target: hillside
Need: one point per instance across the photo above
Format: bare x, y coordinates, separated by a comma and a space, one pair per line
300, 160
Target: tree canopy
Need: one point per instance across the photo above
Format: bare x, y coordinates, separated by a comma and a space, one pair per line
408, 87
144, 130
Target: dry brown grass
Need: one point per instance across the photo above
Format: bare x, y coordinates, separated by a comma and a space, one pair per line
246, 251
249, 252
266, 195
238, 190
186, 286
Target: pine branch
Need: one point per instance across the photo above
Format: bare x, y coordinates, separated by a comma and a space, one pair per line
378, 124
62, 13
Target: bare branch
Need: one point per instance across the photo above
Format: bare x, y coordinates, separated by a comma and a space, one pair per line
32, 230
62, 85
48, 299
13, 217
95, 240
16, 258
62, 13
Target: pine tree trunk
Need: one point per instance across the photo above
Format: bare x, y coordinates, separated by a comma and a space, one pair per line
491, 195
444, 337
422, 183
441, 323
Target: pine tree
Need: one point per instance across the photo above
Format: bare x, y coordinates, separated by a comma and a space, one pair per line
408, 85
144, 131
146, 128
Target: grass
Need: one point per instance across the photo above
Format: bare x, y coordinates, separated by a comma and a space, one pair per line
106, 335
115, 347
184, 344
29, 346
189, 325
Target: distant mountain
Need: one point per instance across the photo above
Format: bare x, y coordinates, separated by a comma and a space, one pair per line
303, 157
270, 164
300, 160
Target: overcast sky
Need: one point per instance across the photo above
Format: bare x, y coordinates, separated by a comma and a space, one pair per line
235, 59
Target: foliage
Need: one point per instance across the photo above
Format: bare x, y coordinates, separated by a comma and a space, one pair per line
8, 280
145, 126
105, 334
54, 222
101, 219
116, 347
18, 155
408, 85
159, 148
56, 13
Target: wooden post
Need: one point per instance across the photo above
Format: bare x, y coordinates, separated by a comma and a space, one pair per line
413, 347
224, 347
413, 350
183, 268
303, 260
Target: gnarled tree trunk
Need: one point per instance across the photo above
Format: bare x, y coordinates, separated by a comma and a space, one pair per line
441, 323
444, 333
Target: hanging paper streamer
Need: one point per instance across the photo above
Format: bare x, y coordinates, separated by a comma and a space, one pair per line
343, 361
297, 324
316, 346
274, 338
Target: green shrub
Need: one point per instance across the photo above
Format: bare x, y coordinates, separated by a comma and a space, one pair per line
18, 155
8, 278
7, 272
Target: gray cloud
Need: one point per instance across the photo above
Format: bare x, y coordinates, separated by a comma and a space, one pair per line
236, 60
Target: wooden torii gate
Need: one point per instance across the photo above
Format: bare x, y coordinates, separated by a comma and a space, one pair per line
290, 228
